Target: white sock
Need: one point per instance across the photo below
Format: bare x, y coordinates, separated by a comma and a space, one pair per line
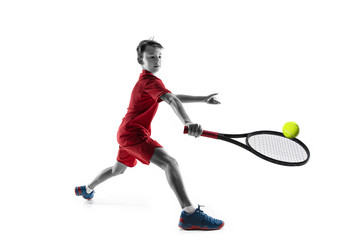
189, 209
88, 190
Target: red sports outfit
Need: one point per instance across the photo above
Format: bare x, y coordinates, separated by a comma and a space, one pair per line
134, 132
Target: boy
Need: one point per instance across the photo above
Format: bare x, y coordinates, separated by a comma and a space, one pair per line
134, 136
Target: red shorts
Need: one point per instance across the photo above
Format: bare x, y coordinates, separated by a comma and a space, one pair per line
143, 151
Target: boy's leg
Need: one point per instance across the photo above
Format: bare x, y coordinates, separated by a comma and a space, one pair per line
107, 173
196, 218
162, 159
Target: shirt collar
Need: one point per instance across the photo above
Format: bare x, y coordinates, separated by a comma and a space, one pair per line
146, 71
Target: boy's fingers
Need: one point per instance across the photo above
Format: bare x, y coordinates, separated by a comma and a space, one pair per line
213, 101
191, 130
212, 95
195, 130
199, 131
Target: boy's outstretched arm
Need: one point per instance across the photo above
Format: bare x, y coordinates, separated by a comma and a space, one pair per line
194, 129
211, 99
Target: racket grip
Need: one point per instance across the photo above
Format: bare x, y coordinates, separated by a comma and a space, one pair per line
204, 133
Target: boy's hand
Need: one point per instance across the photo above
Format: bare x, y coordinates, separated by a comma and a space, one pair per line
211, 99
194, 129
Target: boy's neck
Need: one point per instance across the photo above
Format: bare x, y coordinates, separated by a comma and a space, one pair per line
149, 71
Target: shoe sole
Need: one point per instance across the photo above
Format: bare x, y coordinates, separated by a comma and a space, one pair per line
181, 225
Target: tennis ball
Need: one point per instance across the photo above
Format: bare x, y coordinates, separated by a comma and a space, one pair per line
290, 130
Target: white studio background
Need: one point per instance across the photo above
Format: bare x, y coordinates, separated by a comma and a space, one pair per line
67, 69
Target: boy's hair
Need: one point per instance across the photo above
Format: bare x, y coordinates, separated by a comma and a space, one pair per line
142, 45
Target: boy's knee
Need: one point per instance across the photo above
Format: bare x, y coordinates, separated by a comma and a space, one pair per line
171, 162
163, 160
118, 171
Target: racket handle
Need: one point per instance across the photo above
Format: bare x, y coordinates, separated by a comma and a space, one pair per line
204, 133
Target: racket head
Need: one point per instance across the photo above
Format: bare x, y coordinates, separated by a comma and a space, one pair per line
276, 148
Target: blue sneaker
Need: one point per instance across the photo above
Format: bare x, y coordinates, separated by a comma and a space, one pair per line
199, 220
81, 191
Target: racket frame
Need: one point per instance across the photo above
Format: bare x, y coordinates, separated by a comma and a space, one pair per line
230, 138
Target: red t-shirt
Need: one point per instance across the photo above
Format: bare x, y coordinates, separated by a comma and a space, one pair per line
144, 102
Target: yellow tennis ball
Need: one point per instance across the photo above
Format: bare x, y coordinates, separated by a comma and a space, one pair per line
291, 130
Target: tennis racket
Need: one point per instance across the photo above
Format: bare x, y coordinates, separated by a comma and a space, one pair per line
268, 145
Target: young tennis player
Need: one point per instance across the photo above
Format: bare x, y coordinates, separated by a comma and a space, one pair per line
135, 142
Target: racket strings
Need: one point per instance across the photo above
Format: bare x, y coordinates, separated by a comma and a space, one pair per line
278, 148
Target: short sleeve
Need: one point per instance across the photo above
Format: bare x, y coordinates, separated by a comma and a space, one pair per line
155, 88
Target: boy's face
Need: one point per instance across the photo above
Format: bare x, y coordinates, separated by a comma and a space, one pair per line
151, 60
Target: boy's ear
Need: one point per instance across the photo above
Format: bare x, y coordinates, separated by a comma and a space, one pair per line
140, 61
